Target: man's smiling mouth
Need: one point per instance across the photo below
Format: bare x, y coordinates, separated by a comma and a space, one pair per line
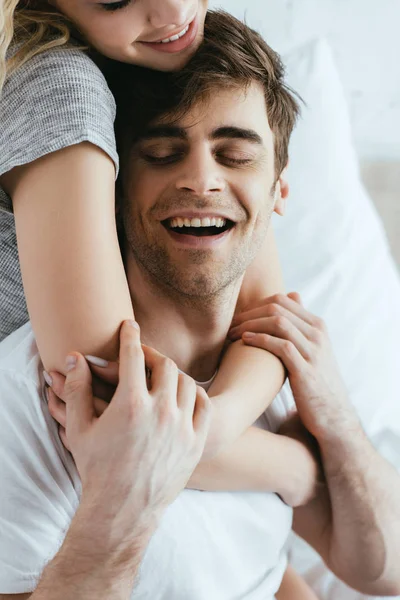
198, 227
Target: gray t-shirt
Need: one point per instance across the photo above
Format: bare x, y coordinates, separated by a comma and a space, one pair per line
57, 99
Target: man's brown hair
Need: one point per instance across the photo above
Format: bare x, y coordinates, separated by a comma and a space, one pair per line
231, 55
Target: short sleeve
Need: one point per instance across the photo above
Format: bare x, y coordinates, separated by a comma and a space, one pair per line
57, 99
38, 496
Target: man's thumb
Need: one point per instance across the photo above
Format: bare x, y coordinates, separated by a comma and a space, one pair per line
78, 394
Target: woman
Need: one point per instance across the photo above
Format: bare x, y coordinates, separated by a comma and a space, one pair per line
57, 172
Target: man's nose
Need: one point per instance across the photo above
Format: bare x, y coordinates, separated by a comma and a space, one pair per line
201, 175
169, 13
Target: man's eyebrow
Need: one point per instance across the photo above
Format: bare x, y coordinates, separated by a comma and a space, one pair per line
163, 131
233, 132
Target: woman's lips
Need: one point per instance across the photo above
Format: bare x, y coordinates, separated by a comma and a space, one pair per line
178, 45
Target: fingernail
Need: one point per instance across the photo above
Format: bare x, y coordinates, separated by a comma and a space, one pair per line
95, 360
47, 378
248, 335
70, 362
133, 324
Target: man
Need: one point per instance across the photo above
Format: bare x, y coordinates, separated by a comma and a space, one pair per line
204, 176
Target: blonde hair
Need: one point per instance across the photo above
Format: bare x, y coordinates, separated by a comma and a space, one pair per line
33, 29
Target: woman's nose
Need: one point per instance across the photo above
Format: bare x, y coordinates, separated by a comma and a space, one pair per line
170, 13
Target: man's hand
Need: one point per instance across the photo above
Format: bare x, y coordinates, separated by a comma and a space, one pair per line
139, 454
107, 373
353, 520
281, 325
133, 457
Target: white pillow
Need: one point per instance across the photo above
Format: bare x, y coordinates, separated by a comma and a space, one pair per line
334, 252
332, 243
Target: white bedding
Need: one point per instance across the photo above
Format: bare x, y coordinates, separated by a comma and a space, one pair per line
335, 252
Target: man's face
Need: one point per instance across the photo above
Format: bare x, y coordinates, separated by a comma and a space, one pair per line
200, 192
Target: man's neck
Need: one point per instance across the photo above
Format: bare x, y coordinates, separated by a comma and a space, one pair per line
190, 331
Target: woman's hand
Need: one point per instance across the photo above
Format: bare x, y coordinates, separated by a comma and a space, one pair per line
281, 325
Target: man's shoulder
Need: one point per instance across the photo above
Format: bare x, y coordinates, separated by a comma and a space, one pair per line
19, 355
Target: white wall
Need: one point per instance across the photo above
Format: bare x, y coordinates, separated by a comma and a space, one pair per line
365, 37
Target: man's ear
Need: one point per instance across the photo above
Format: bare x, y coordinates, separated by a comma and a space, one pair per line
281, 193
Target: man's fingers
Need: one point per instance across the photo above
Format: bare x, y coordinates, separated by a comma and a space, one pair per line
100, 406
163, 372
269, 311
283, 349
296, 297
279, 327
78, 393
284, 301
63, 437
57, 408
132, 374
187, 391
57, 383
202, 412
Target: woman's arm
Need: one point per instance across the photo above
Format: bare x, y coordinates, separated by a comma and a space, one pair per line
74, 280
258, 461
261, 461
249, 378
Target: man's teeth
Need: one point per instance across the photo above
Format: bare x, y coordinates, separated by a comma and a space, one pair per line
206, 222
175, 37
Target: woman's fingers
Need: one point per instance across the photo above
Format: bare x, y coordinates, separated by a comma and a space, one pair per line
283, 349
107, 371
103, 387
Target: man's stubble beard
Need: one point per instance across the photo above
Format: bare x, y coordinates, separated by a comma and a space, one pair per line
202, 280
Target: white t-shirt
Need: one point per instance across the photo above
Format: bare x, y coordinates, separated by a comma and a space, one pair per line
209, 546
